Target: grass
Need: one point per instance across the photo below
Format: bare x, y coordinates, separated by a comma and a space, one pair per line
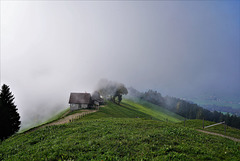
123, 132
198, 124
73, 112
135, 109
118, 139
157, 112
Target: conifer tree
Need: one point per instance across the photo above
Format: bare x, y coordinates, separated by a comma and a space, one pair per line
9, 117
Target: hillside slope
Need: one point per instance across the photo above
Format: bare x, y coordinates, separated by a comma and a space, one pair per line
220, 129
114, 133
136, 109
157, 112
118, 139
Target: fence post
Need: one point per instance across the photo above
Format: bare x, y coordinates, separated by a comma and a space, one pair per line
203, 123
225, 128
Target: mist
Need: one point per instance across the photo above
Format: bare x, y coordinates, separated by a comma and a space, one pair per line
52, 48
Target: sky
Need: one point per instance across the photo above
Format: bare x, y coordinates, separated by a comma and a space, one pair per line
180, 48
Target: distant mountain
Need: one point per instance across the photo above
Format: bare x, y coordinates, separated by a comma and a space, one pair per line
230, 104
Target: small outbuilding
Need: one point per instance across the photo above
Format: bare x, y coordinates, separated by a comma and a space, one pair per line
79, 101
97, 99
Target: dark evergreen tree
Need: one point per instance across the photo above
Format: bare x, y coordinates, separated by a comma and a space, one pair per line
9, 117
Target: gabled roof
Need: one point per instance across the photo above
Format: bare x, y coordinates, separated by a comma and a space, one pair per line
78, 98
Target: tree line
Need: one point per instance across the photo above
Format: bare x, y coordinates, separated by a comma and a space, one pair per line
186, 109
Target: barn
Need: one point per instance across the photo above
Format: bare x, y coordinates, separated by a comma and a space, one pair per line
79, 101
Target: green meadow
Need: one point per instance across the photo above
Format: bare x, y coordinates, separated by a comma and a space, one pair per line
134, 130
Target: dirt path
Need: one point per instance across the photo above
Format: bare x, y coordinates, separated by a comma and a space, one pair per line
65, 120
212, 133
71, 117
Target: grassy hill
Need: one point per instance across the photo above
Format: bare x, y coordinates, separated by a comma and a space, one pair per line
155, 111
198, 124
136, 109
123, 132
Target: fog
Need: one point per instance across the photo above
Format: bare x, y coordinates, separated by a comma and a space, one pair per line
52, 48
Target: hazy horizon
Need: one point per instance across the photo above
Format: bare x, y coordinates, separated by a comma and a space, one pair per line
180, 48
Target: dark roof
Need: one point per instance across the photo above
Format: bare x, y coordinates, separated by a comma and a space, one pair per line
78, 98
96, 97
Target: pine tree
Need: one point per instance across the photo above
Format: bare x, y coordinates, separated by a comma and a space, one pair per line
9, 117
